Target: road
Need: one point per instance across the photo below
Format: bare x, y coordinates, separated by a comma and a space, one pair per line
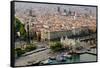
41, 55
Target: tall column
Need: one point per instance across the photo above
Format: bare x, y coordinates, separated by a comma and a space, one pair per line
28, 38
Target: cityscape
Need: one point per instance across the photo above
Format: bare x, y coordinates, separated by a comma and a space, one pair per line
48, 34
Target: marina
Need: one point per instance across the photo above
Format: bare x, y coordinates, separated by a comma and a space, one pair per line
44, 58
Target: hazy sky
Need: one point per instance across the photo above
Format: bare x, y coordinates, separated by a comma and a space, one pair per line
38, 7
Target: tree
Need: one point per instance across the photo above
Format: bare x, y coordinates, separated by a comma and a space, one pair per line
30, 47
19, 27
56, 46
19, 51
